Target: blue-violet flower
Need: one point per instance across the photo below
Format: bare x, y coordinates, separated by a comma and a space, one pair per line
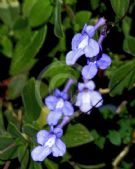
87, 98
49, 143
82, 43
59, 106
103, 61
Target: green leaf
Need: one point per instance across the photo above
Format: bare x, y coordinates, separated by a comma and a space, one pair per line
129, 45
120, 7
123, 77
30, 101
82, 17
58, 67
98, 139
27, 6
25, 50
57, 19
34, 165
77, 135
2, 128
23, 156
14, 131
15, 86
37, 14
126, 25
114, 137
58, 72
30, 130
94, 4
6, 46
9, 11
41, 121
51, 164
70, 2
8, 148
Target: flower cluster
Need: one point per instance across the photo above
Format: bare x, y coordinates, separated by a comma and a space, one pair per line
59, 104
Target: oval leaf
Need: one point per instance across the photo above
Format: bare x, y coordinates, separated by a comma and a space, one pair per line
120, 7
77, 135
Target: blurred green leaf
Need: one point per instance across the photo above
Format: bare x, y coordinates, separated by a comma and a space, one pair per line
36, 11
120, 7
23, 156
98, 139
9, 11
82, 17
58, 67
94, 4
34, 165
77, 135
8, 148
51, 164
14, 131
30, 101
108, 111
15, 86
27, 6
2, 128
126, 25
58, 72
41, 121
70, 2
25, 50
123, 77
114, 137
6, 46
57, 19
128, 45
30, 130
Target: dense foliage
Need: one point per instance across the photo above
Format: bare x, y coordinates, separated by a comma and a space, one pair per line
35, 37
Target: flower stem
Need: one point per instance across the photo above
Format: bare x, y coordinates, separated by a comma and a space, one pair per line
65, 121
100, 23
70, 81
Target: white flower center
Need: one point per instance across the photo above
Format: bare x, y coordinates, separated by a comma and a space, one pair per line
51, 141
60, 104
84, 42
86, 97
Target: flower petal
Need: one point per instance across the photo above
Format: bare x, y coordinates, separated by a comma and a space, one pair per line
57, 93
50, 102
90, 85
89, 71
58, 132
92, 49
96, 100
68, 109
76, 40
42, 136
64, 95
72, 56
104, 62
81, 86
59, 148
84, 101
84, 42
53, 117
39, 153
79, 99
90, 30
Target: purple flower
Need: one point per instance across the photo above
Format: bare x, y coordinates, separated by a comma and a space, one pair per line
87, 98
82, 43
49, 143
59, 106
90, 70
